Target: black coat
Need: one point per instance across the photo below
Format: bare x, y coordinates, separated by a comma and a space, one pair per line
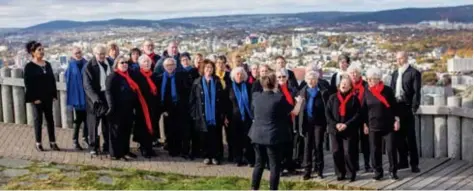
257, 87
352, 115
233, 110
153, 101
292, 79
319, 115
38, 84
91, 82
191, 75
271, 110
182, 91
411, 84
377, 116
196, 104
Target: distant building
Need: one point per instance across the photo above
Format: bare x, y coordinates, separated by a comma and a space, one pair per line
460, 65
251, 39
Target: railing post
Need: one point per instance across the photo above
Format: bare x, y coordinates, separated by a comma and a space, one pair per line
440, 130
7, 97
454, 130
19, 98
427, 131
466, 132
56, 107
66, 114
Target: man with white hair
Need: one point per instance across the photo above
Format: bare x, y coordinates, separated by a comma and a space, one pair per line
94, 76
383, 123
406, 82
149, 50
172, 52
360, 87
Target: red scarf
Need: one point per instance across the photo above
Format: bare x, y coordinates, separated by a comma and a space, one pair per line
343, 102
141, 98
147, 75
360, 87
152, 57
284, 90
377, 92
251, 79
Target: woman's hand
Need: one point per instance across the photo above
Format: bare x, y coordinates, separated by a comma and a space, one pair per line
299, 99
37, 102
366, 129
396, 126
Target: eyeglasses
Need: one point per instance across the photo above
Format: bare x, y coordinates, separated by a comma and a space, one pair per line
78, 53
124, 62
281, 77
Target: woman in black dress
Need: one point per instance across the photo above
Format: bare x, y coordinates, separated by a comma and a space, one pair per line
269, 132
146, 80
40, 86
240, 117
342, 113
312, 124
207, 107
382, 121
122, 94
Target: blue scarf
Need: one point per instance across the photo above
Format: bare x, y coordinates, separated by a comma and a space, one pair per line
76, 96
312, 93
188, 68
209, 101
173, 87
133, 66
242, 99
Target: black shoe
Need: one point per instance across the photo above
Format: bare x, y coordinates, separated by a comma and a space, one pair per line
307, 176
319, 175
240, 163
415, 169
251, 165
39, 148
77, 146
131, 155
54, 147
152, 153
368, 169
377, 177
157, 144
393, 176
353, 178
342, 177
402, 166
144, 153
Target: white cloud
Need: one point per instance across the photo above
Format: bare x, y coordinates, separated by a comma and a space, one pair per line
15, 13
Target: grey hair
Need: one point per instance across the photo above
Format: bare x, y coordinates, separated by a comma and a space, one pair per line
240, 70
355, 68
117, 60
282, 71
143, 58
374, 73
169, 60
148, 40
311, 74
99, 49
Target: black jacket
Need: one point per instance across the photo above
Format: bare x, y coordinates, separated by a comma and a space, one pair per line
91, 81
153, 101
411, 84
377, 116
319, 115
257, 87
292, 79
232, 108
182, 91
121, 99
352, 115
196, 104
39, 85
270, 112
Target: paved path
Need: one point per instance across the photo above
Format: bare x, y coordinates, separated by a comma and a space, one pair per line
17, 142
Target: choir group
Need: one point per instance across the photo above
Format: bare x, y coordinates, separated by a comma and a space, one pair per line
270, 119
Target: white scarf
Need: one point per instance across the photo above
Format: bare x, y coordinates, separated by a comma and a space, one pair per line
338, 77
103, 74
399, 88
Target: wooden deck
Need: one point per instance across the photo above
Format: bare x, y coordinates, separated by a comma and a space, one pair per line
436, 174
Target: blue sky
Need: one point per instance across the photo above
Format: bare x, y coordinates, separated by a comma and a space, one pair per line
23, 13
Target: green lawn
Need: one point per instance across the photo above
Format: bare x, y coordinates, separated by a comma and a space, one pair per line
68, 177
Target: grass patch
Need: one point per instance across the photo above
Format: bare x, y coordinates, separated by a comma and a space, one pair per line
86, 178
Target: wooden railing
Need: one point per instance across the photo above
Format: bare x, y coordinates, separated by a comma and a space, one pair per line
443, 125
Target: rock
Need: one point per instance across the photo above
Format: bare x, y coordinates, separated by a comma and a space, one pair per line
154, 178
14, 172
67, 167
111, 172
42, 176
106, 180
72, 174
14, 163
49, 170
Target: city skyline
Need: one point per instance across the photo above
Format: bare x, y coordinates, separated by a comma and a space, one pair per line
25, 13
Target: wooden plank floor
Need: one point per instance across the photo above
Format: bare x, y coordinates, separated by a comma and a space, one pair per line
436, 174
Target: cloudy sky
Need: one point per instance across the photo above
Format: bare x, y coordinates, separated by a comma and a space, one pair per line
24, 13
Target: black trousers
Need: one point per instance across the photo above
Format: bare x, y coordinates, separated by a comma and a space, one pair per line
195, 140
298, 149
140, 130
272, 153
344, 153
80, 119
376, 140
313, 152
364, 146
406, 137
94, 137
173, 133
209, 141
46, 108
241, 145
119, 138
